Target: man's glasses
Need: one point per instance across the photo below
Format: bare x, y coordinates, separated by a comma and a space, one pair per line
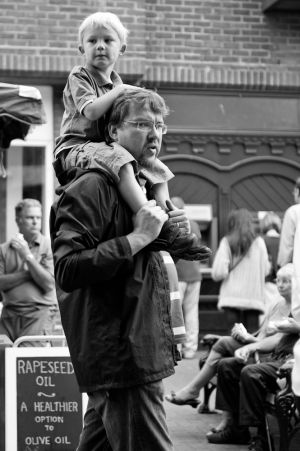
147, 126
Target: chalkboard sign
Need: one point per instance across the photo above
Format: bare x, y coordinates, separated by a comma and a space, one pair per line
44, 400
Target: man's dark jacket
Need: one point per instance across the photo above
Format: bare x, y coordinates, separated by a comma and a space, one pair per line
115, 308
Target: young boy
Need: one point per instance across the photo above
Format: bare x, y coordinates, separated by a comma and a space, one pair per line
88, 96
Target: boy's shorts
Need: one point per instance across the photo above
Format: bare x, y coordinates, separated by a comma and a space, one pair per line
111, 158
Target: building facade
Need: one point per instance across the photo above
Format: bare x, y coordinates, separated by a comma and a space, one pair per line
228, 69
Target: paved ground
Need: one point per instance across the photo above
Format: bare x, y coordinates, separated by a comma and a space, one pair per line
187, 426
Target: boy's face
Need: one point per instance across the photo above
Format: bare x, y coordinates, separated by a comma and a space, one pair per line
284, 285
143, 143
101, 47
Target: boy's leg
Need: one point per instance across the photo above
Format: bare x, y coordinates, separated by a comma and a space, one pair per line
134, 418
129, 188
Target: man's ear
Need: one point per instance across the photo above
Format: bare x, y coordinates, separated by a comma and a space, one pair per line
81, 49
113, 132
123, 48
18, 220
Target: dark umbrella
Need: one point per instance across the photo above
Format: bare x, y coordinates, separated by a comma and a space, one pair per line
20, 107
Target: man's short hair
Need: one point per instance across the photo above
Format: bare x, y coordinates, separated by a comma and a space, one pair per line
26, 203
138, 96
105, 19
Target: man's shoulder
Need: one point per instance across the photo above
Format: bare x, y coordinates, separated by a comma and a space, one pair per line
43, 239
90, 179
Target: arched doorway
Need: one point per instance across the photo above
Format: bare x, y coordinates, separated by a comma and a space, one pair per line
258, 184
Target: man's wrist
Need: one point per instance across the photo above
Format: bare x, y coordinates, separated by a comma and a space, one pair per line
138, 241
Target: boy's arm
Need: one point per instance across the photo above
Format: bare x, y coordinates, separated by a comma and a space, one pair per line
101, 105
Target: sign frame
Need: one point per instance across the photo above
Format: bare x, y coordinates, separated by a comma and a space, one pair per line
11, 356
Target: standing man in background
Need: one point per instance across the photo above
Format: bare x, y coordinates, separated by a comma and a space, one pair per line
189, 277
27, 277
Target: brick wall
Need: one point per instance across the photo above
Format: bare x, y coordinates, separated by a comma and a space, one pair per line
208, 43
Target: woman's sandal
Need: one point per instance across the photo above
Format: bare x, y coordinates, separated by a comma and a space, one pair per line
172, 398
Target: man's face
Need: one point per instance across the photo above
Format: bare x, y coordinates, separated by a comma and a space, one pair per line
144, 145
30, 221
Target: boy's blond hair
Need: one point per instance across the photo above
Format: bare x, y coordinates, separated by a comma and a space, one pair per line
105, 19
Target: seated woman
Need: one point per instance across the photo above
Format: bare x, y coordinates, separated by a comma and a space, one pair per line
226, 346
243, 384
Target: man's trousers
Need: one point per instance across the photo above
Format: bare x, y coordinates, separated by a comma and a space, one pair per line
129, 419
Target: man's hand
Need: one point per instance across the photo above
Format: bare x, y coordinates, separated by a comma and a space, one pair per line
149, 220
147, 226
178, 216
20, 245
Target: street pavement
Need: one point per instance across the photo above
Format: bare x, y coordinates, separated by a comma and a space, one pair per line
187, 427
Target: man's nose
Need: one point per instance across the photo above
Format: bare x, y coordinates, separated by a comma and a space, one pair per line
154, 132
